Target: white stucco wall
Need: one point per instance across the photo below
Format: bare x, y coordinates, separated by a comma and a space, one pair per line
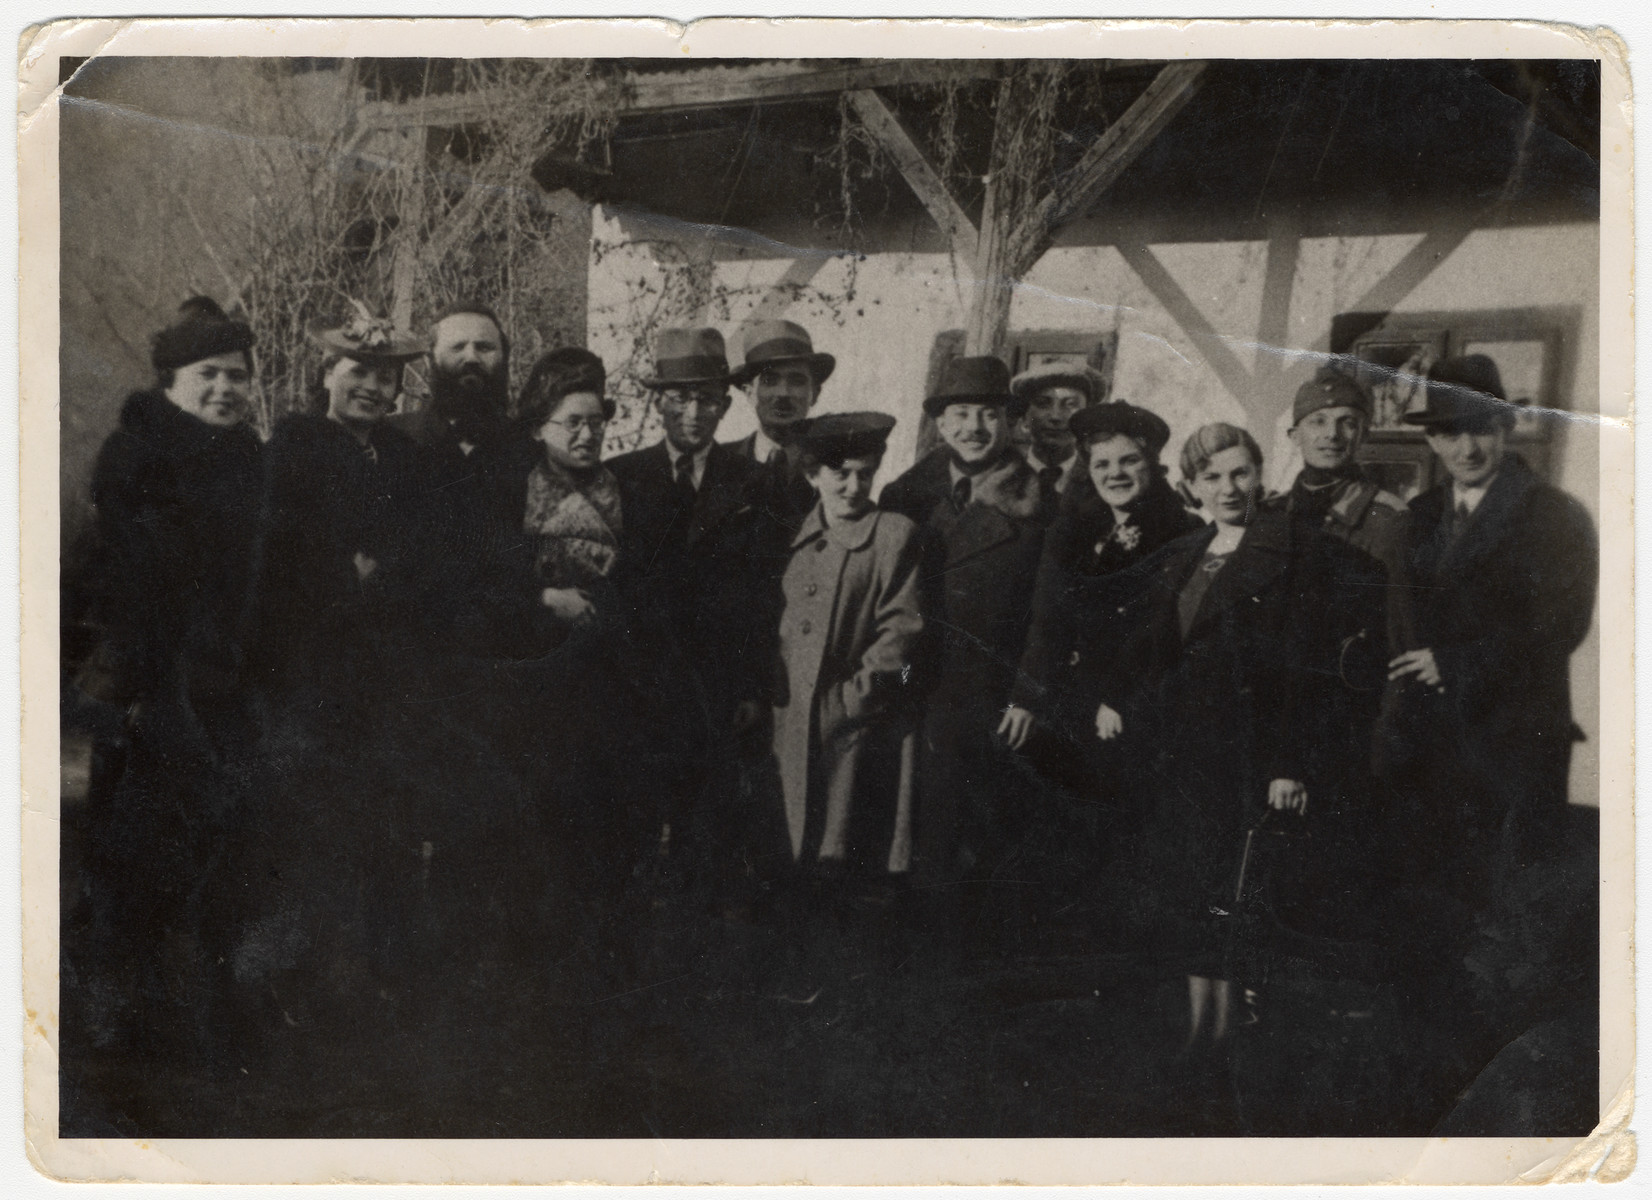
882, 336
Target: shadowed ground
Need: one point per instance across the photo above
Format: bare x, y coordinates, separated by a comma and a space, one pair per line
846, 1021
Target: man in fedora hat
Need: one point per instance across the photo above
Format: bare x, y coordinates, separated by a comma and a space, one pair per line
983, 513
1505, 570
785, 374
694, 588
1052, 392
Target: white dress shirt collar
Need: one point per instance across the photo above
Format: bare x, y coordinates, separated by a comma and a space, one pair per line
1470, 497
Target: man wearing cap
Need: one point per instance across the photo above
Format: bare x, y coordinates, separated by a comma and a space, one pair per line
785, 374
1329, 419
1051, 393
694, 591
1505, 568
983, 514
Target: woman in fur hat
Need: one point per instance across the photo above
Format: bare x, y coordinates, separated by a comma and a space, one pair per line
175, 490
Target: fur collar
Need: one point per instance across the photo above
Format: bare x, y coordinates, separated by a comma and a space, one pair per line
1011, 487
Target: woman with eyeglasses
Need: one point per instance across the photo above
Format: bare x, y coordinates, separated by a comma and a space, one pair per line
571, 508
572, 727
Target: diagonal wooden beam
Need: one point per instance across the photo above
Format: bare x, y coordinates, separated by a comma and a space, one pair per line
1212, 345
1417, 265
920, 174
1273, 326
1104, 161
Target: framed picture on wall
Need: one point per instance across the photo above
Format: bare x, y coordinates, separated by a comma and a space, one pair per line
1391, 354
1393, 365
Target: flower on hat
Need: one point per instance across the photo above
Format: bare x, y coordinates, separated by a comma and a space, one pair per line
366, 331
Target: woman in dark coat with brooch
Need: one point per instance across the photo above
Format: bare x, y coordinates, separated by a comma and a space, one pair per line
1119, 513
1250, 678
175, 489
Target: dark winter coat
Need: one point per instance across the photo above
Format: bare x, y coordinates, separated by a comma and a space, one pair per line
176, 502
979, 571
326, 500
691, 587
1071, 663
1503, 607
979, 566
1273, 680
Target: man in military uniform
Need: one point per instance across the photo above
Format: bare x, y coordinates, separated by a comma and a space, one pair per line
1329, 420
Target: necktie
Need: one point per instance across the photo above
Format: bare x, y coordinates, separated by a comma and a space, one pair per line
777, 459
1048, 477
960, 494
1460, 517
685, 479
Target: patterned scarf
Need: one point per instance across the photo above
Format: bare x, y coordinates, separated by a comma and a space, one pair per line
576, 525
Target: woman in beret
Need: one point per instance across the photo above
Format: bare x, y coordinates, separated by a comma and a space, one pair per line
844, 740
175, 489
1246, 707
1126, 513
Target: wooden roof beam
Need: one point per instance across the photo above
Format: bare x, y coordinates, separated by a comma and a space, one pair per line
715, 87
1107, 159
920, 174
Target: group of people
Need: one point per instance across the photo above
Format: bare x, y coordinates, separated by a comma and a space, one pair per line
386, 653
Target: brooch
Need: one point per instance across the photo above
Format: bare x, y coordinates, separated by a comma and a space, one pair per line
1127, 536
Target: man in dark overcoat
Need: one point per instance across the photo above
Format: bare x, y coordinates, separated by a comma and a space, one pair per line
983, 514
1505, 568
697, 609
470, 463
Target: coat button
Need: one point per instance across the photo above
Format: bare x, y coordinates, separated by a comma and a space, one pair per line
811, 589
1072, 660
806, 627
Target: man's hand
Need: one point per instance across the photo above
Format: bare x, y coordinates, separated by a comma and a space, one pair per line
1289, 795
1419, 663
1108, 723
570, 604
1016, 726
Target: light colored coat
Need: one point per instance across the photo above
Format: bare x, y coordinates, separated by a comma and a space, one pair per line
844, 728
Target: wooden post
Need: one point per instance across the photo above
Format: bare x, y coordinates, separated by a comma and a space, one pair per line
994, 274
409, 226
994, 279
